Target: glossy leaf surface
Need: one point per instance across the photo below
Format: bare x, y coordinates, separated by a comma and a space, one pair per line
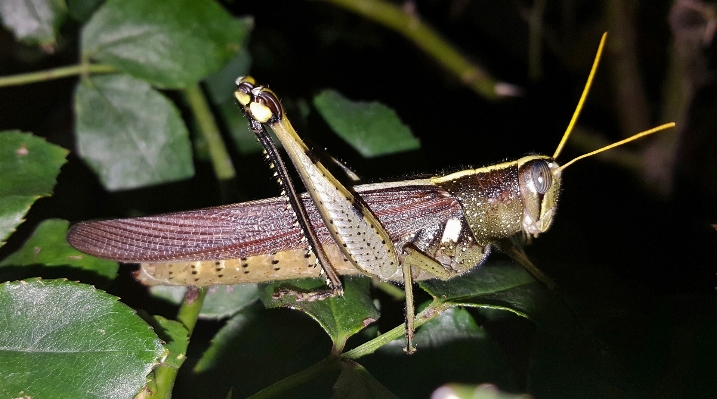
67, 340
130, 134
171, 44
221, 300
339, 317
371, 128
29, 166
33, 21
48, 246
355, 382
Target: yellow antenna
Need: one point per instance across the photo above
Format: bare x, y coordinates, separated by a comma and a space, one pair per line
579, 108
621, 142
583, 96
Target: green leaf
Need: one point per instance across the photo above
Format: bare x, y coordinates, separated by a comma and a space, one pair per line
48, 246
356, 382
176, 339
495, 276
504, 285
221, 301
339, 317
225, 300
82, 10
130, 134
454, 325
371, 128
225, 336
170, 43
254, 349
33, 21
67, 340
29, 166
12, 210
452, 346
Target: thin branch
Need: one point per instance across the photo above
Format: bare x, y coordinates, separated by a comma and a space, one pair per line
535, 37
222, 163
188, 314
57, 73
626, 73
435, 309
410, 25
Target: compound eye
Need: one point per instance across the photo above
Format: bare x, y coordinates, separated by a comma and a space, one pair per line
243, 94
542, 177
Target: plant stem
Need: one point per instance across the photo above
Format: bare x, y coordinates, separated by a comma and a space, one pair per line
50, 74
626, 76
222, 163
427, 39
535, 39
188, 313
431, 312
280, 388
164, 377
389, 289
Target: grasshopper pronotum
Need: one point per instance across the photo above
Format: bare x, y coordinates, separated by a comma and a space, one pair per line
404, 231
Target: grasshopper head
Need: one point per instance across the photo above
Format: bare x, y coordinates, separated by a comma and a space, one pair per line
539, 175
260, 103
539, 180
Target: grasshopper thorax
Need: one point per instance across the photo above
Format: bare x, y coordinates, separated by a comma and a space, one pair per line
539, 182
504, 199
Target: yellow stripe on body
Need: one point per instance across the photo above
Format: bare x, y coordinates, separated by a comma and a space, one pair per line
470, 172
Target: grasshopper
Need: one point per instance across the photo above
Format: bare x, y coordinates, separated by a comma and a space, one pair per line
403, 231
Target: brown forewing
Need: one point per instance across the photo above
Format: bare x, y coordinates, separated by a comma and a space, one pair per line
253, 228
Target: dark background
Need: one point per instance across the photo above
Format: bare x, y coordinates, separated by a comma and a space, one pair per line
636, 245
